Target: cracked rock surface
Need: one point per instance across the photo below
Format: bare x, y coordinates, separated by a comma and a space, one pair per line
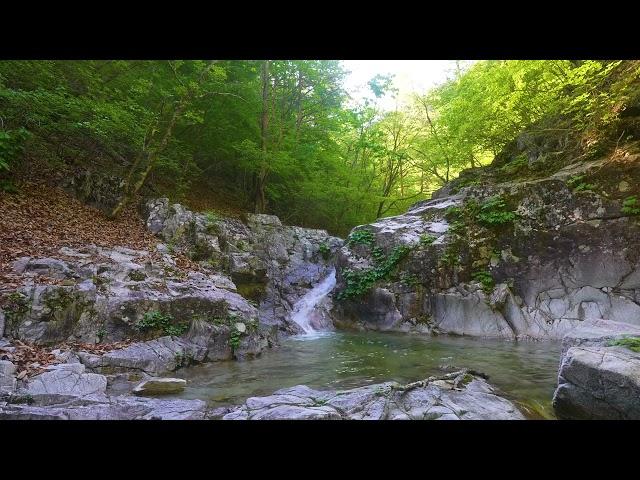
457, 396
568, 257
598, 380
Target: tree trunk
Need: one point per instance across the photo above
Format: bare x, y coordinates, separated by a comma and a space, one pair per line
261, 176
154, 153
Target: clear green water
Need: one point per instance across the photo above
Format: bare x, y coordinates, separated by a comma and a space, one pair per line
523, 371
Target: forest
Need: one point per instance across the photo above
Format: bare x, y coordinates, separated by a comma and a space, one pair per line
284, 137
260, 240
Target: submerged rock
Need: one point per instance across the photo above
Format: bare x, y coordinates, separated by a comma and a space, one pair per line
456, 396
160, 386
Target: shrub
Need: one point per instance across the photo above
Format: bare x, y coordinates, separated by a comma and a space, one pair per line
494, 212
358, 283
630, 206
324, 250
577, 184
159, 321
485, 278
426, 239
632, 343
363, 237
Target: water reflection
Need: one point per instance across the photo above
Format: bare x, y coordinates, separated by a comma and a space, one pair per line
526, 371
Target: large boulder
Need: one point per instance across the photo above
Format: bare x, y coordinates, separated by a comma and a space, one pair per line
598, 377
63, 382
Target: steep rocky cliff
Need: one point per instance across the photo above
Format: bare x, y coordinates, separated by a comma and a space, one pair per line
529, 247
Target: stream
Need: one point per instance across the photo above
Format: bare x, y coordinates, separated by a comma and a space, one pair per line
523, 371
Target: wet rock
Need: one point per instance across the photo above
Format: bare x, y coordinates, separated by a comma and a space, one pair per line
456, 396
271, 264
160, 386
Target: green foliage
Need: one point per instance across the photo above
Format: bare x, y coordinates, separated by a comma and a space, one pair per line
158, 321
409, 279
632, 343
212, 217
11, 146
102, 331
631, 206
485, 278
577, 184
15, 307
360, 282
494, 212
324, 250
235, 337
427, 239
323, 161
451, 256
361, 237
516, 165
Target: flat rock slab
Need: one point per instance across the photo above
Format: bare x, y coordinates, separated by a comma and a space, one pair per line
160, 386
433, 399
114, 408
155, 356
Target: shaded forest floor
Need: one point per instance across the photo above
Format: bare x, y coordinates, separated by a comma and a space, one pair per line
40, 219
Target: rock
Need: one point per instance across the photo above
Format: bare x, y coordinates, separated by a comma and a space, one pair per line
63, 382
271, 264
2, 323
597, 380
154, 357
69, 367
112, 408
107, 300
438, 398
7, 377
568, 258
160, 386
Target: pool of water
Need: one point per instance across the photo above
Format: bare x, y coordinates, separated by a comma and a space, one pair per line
523, 371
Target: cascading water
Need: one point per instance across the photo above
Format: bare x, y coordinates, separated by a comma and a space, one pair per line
304, 309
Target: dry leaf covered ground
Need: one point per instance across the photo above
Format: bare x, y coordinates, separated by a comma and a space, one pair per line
41, 219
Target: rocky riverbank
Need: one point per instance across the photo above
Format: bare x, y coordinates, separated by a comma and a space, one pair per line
67, 392
528, 259
91, 319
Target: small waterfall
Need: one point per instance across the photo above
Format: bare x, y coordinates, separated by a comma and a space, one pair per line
303, 310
